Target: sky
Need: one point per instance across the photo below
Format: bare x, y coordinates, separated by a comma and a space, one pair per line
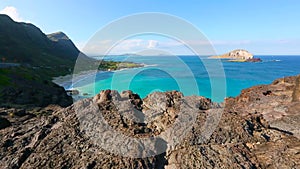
268, 27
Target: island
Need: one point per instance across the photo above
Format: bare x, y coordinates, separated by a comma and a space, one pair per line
238, 55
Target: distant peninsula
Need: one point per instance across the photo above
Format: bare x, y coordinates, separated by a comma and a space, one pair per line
238, 55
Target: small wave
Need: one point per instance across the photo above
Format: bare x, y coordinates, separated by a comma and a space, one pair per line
153, 65
78, 78
120, 70
275, 60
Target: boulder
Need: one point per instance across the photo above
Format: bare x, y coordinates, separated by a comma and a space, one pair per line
4, 123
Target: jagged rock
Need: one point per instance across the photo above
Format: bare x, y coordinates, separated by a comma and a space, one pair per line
102, 96
296, 92
276, 102
4, 123
258, 129
33, 94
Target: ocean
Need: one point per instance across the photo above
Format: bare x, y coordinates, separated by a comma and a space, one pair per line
192, 75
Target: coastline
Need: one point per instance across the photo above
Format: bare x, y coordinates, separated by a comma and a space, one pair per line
238, 85
68, 81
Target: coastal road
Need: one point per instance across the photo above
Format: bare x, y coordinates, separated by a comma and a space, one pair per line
6, 65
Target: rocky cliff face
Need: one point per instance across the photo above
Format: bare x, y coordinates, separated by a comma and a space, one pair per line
63, 44
257, 129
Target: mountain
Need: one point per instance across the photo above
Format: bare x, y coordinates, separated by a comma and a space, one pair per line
26, 44
63, 44
29, 60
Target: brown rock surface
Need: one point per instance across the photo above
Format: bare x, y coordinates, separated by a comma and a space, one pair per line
277, 102
258, 129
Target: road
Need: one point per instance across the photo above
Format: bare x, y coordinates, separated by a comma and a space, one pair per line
6, 65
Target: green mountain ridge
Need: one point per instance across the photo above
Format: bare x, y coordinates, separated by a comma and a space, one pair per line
40, 57
26, 44
63, 44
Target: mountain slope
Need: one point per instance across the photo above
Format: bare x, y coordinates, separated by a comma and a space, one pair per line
63, 44
26, 44
39, 58
29, 60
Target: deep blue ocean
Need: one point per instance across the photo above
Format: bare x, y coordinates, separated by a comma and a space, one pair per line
192, 75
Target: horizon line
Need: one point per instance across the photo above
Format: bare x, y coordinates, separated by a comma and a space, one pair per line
98, 55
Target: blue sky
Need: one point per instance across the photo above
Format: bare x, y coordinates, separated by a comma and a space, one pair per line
262, 27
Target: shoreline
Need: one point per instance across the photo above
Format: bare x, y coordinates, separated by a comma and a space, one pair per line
68, 81
62, 80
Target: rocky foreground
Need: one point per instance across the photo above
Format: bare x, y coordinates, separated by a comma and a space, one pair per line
258, 129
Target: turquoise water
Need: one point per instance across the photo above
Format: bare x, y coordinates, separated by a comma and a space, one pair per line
191, 75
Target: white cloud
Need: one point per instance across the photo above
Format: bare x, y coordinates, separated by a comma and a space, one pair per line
135, 46
280, 46
129, 44
112, 47
13, 13
152, 44
170, 46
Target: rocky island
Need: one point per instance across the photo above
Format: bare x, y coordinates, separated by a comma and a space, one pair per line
238, 55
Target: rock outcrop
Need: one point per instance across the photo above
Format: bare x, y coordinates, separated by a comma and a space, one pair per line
258, 129
236, 54
38, 97
4, 123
